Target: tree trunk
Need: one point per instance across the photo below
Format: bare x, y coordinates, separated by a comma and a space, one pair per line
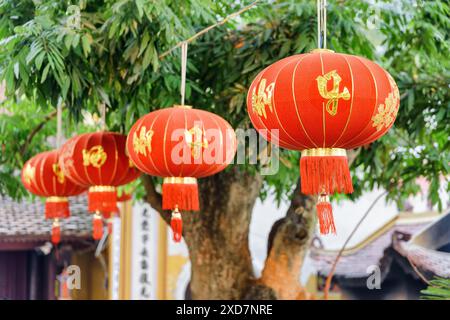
217, 236
217, 239
288, 243
289, 240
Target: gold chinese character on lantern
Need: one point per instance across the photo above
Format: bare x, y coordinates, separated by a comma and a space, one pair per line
143, 141
196, 139
332, 95
262, 98
29, 173
95, 157
58, 173
387, 112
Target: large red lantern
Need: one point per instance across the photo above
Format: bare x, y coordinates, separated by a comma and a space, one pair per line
323, 103
181, 144
43, 177
98, 160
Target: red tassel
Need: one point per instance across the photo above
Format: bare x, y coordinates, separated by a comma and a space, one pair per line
183, 195
102, 198
110, 226
124, 197
97, 226
176, 224
325, 215
56, 207
56, 232
325, 174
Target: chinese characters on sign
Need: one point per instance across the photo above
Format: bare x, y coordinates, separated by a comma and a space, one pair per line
144, 255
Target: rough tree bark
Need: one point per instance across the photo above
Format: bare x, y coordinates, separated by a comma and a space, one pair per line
217, 239
289, 240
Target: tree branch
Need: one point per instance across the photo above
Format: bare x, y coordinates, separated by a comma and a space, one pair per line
35, 131
287, 246
333, 267
154, 198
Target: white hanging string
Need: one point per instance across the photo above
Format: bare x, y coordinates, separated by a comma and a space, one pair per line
184, 47
103, 116
324, 20
319, 24
59, 134
322, 24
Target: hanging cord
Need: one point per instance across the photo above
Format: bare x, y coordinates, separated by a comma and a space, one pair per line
59, 134
102, 108
203, 31
184, 47
322, 24
327, 287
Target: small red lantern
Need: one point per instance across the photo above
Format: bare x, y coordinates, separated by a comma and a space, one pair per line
98, 160
181, 144
323, 103
43, 177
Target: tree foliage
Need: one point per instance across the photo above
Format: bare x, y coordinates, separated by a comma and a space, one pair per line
92, 52
438, 289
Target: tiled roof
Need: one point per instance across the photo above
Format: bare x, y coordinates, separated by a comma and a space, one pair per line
24, 221
355, 261
424, 249
433, 261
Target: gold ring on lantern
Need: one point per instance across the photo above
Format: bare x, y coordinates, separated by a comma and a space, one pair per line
56, 199
318, 50
180, 180
324, 152
56, 222
102, 189
182, 106
323, 198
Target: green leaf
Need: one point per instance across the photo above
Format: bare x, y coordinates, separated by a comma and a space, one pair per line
45, 72
39, 59
86, 41
16, 70
35, 49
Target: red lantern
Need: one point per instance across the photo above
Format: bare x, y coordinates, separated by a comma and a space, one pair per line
43, 177
181, 144
323, 103
98, 160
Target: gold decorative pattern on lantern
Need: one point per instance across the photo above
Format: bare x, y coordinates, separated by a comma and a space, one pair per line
29, 173
95, 157
58, 173
262, 98
143, 141
196, 139
387, 111
332, 95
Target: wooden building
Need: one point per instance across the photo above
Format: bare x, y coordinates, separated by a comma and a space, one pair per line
403, 250
30, 265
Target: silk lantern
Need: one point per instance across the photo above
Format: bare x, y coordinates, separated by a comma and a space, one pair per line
181, 144
43, 177
98, 160
323, 103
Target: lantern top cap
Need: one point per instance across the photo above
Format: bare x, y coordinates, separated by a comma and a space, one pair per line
318, 50
182, 106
